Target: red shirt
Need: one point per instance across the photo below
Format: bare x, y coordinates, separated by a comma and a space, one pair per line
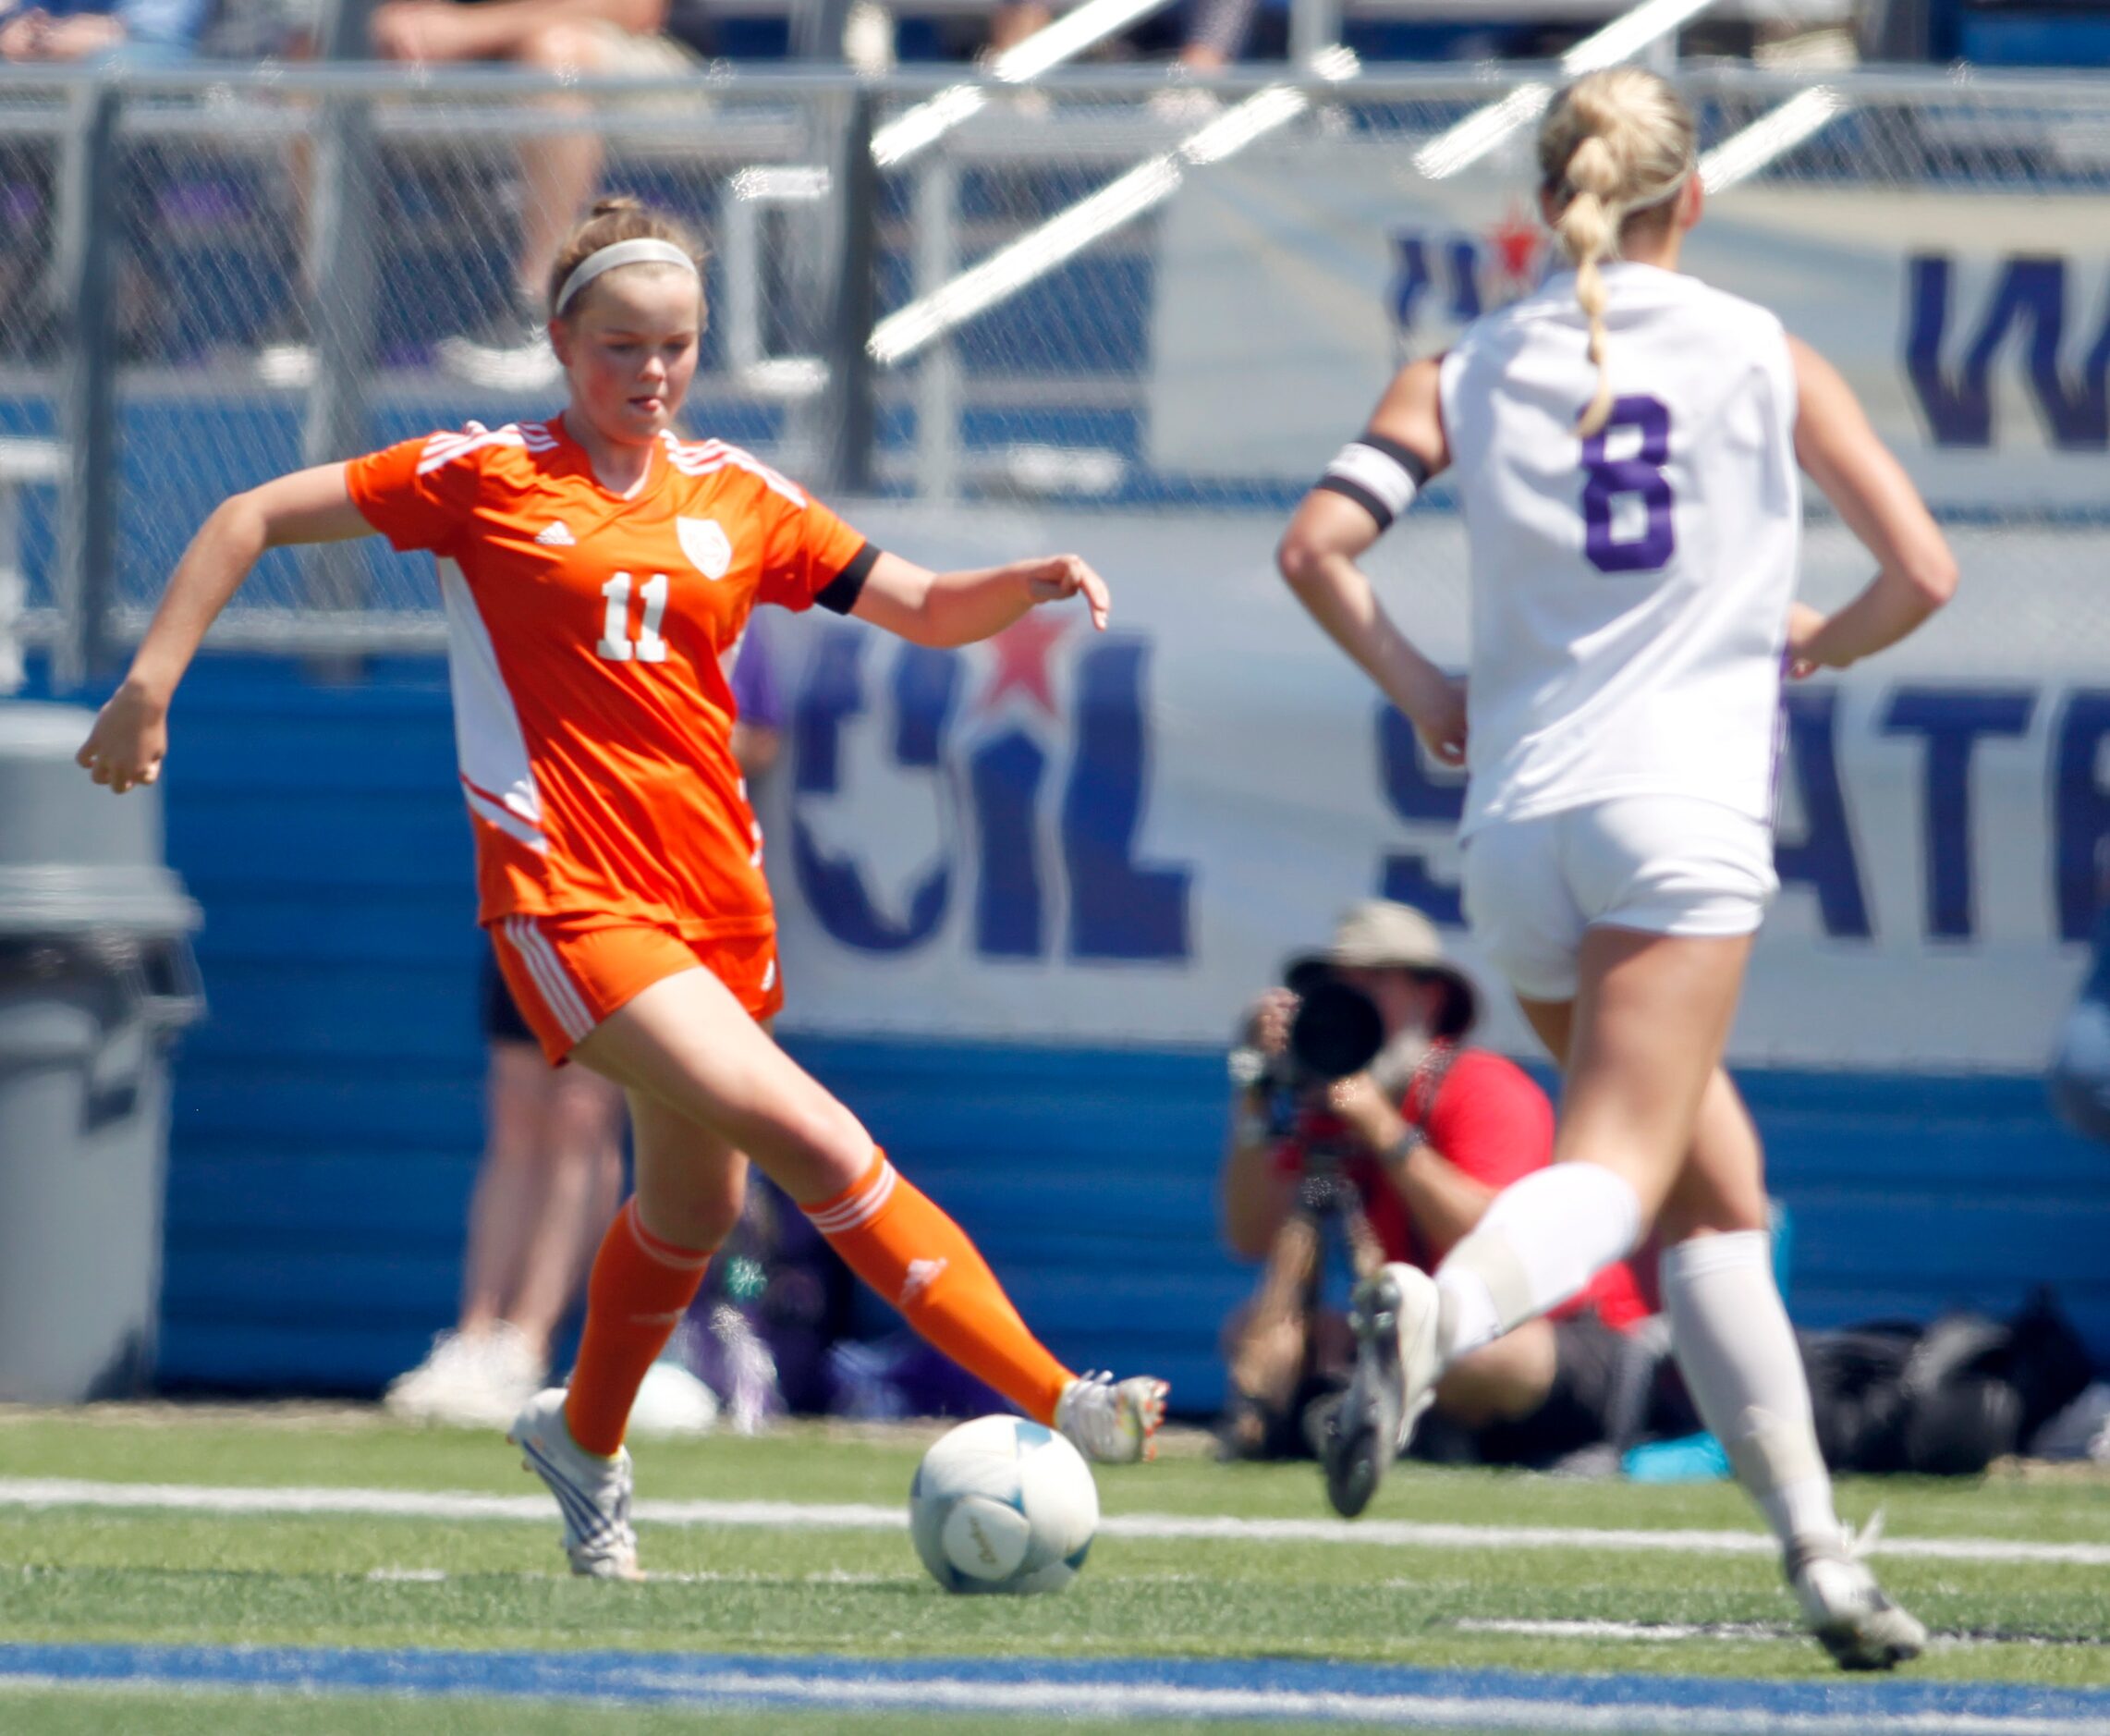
1496, 1126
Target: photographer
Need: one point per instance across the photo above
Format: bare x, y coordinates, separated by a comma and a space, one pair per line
1400, 1136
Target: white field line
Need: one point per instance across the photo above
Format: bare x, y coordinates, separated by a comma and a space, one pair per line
833, 1576
1598, 1630
42, 1491
1682, 1630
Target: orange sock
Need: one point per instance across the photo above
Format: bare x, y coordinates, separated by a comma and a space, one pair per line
640, 1288
892, 1236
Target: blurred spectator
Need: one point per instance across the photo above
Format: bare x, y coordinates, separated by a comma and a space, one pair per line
109, 33
774, 1306
2080, 1081
640, 39
551, 1179
758, 733
138, 32
1406, 1154
1213, 33
1217, 33
596, 38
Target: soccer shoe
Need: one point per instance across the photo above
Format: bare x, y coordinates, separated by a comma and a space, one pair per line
509, 352
1394, 1318
592, 1493
411, 1395
1113, 1423
470, 1380
1846, 1610
285, 349
672, 1404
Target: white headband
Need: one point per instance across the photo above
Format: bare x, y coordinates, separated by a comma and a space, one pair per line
644, 252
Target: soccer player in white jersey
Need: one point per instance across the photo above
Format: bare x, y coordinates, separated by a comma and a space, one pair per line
1625, 444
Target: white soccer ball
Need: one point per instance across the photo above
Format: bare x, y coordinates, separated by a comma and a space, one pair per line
1003, 1505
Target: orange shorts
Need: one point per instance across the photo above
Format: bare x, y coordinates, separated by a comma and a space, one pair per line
568, 973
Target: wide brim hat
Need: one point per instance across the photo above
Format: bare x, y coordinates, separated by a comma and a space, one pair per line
1382, 935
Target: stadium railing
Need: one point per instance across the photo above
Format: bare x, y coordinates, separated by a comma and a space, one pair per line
158, 227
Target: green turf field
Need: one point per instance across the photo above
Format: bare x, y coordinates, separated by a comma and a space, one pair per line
77, 1573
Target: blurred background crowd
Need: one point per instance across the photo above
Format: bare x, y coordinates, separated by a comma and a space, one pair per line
1195, 39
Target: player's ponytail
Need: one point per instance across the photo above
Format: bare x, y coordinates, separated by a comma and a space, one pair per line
1615, 147
1590, 235
616, 217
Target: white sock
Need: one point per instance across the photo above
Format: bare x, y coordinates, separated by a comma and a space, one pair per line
1541, 1241
1741, 1366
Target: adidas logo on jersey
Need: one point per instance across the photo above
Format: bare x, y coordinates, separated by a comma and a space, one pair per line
558, 535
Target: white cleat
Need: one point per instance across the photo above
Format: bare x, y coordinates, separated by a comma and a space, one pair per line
525, 364
1394, 1316
1846, 1610
1113, 1422
592, 1493
470, 1380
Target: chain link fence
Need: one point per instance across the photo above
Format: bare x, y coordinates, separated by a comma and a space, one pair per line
1097, 290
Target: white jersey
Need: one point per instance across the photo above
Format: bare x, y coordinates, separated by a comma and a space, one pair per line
1629, 592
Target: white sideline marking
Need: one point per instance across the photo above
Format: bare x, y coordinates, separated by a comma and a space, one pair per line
864, 1516
1596, 1630
831, 1576
1602, 1630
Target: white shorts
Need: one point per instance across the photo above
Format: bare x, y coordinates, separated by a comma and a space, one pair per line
1662, 864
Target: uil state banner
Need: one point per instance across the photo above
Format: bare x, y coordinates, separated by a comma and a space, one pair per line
1109, 838
1973, 326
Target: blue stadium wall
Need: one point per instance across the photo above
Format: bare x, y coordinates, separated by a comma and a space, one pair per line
327, 1115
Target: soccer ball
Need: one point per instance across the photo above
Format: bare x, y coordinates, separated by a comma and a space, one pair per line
1003, 1505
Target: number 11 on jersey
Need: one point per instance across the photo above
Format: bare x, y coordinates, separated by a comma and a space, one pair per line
616, 643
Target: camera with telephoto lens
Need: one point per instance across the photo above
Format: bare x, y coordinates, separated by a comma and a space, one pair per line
1337, 1032
1280, 1374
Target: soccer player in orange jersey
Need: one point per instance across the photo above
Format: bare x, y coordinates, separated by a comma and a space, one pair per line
594, 567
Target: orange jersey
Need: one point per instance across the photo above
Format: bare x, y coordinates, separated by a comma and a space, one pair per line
586, 632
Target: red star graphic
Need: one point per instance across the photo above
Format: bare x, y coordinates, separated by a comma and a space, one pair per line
1022, 659
1517, 242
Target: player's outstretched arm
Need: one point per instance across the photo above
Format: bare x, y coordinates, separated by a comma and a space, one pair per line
1916, 573
958, 608
131, 736
1368, 484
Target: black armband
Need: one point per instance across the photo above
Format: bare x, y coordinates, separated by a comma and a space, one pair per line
841, 593
1379, 474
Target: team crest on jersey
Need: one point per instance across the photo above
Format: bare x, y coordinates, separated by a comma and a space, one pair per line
704, 541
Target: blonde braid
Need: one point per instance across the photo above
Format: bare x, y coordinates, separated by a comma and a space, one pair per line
1589, 231
1614, 144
